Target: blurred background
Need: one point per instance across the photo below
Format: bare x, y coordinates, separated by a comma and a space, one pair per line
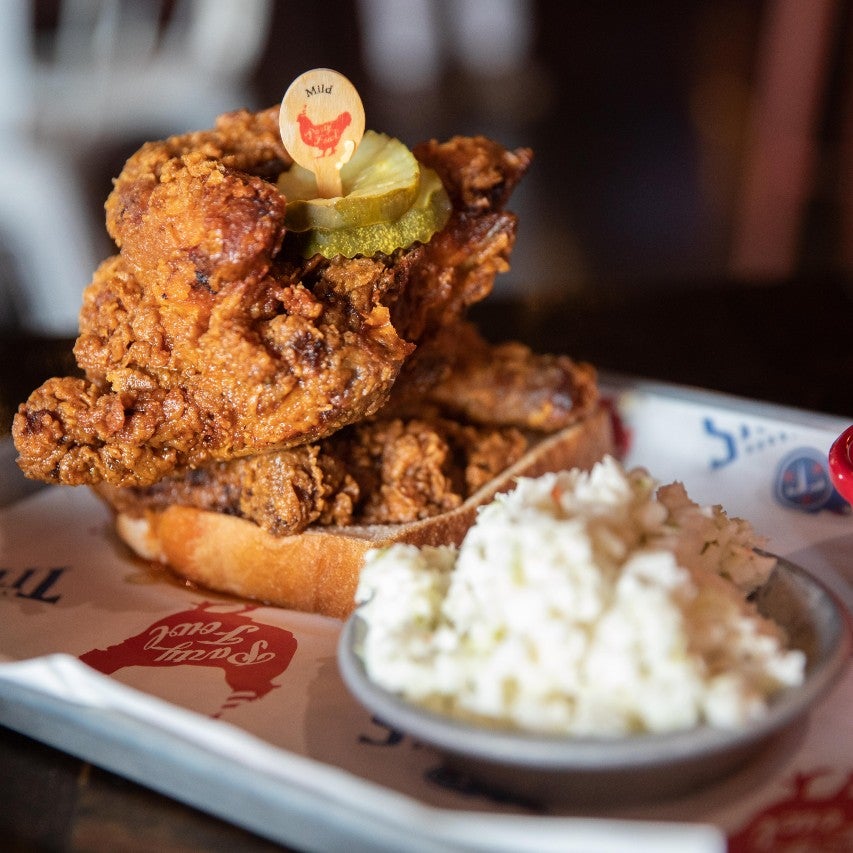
681, 145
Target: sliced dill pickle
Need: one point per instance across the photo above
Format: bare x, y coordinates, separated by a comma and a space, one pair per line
428, 214
380, 184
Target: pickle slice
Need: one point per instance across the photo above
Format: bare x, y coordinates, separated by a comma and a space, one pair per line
427, 215
380, 184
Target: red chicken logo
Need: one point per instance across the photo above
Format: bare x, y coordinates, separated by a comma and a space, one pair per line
324, 136
250, 654
803, 822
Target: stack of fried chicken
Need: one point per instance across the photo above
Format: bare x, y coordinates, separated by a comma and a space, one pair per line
223, 371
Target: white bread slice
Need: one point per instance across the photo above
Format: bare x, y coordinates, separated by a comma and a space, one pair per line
318, 569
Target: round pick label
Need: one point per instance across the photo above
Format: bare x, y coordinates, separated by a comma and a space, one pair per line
322, 123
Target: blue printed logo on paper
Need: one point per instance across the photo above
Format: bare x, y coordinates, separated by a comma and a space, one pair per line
744, 439
802, 482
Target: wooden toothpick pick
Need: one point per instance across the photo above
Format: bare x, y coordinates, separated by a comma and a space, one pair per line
322, 122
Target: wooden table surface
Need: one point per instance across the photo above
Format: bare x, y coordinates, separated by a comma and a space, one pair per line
788, 343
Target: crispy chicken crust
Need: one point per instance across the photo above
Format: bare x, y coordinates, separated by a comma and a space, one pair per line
478, 173
458, 374
386, 471
276, 363
206, 340
201, 209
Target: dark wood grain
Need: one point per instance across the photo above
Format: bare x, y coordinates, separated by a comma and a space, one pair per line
52, 801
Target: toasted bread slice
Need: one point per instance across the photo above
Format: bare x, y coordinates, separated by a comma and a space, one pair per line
318, 569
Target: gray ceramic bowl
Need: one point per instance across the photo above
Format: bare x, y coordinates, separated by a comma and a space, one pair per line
584, 770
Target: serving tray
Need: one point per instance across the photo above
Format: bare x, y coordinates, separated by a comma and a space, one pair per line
239, 709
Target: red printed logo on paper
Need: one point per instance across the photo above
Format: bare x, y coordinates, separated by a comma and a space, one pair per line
803, 822
250, 654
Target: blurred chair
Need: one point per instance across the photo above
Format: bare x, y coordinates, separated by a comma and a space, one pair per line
408, 43
110, 71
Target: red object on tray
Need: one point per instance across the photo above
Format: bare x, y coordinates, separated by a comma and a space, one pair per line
841, 464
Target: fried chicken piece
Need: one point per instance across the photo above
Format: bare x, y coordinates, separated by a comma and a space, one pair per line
201, 209
381, 472
408, 470
275, 363
283, 492
206, 339
459, 264
479, 174
457, 269
460, 374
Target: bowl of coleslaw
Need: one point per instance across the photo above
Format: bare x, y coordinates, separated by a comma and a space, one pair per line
597, 636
